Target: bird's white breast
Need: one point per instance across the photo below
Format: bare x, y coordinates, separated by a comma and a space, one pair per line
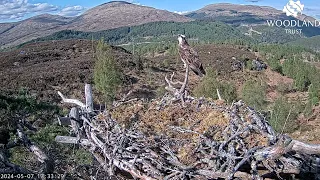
180, 40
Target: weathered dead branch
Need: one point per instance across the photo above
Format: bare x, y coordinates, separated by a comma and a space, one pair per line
248, 147
179, 93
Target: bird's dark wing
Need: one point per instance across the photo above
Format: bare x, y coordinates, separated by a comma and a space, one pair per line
191, 57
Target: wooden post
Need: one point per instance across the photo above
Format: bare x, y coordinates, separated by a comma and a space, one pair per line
74, 113
75, 118
89, 98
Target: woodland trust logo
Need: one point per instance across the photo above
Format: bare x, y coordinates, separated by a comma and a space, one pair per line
293, 26
293, 8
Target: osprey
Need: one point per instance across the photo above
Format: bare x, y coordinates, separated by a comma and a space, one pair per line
190, 57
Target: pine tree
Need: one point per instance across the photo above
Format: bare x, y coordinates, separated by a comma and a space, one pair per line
107, 74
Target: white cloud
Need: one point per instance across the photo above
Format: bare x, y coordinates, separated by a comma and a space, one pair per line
17, 9
314, 12
133, 2
71, 11
181, 12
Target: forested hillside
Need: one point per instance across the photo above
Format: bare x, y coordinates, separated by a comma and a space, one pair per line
311, 42
199, 31
157, 31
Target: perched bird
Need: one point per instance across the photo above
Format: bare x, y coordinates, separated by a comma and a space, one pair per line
190, 57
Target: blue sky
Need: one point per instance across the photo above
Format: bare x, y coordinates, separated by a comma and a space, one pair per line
15, 10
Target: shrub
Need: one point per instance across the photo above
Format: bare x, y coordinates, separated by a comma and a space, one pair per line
302, 73
284, 88
254, 94
314, 88
165, 63
82, 157
275, 65
308, 109
139, 62
15, 106
249, 65
46, 135
301, 81
107, 74
284, 115
20, 156
228, 91
314, 93
209, 85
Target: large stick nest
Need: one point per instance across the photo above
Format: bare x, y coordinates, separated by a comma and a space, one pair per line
199, 140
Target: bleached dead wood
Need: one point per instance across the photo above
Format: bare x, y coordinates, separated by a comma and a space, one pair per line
219, 96
89, 98
72, 140
135, 153
178, 93
72, 101
304, 147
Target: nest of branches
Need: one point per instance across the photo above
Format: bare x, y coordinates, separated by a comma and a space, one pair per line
196, 140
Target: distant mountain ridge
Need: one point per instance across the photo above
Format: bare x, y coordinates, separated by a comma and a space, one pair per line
118, 14
228, 9
38, 26
106, 16
239, 14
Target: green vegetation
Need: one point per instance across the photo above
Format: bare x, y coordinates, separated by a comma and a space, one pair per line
314, 94
311, 42
20, 156
23, 105
234, 20
81, 157
202, 31
254, 94
152, 49
284, 115
160, 91
160, 37
45, 138
15, 106
107, 74
296, 65
285, 88
47, 134
275, 65
155, 32
209, 85
273, 35
279, 51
